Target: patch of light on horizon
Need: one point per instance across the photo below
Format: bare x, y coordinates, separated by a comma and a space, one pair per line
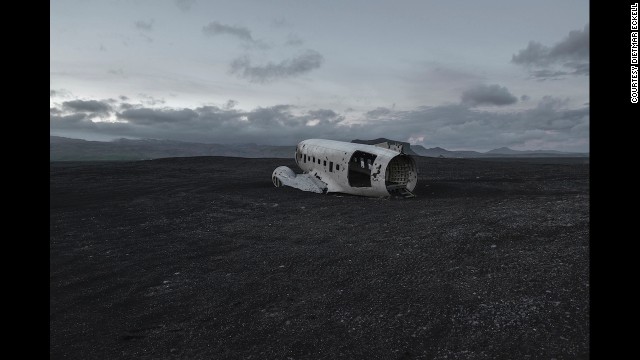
353, 118
111, 118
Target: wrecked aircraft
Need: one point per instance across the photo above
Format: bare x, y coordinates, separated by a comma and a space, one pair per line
379, 170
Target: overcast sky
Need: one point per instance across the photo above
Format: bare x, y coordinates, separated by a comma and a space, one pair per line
462, 75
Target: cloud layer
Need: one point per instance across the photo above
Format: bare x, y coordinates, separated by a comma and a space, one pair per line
144, 25
567, 57
295, 66
215, 28
184, 5
549, 125
246, 68
93, 106
488, 95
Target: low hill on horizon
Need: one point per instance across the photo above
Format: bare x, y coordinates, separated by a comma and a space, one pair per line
69, 149
500, 152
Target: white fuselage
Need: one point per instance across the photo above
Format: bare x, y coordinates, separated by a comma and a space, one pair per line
356, 168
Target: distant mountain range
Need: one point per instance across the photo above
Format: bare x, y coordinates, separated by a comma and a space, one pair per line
500, 152
66, 149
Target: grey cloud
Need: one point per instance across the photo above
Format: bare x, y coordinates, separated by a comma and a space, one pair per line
230, 104
324, 114
575, 46
296, 66
93, 106
550, 125
215, 117
578, 68
59, 93
323, 117
73, 118
525, 98
378, 112
184, 5
294, 40
280, 22
567, 57
551, 115
150, 100
534, 54
488, 95
552, 103
273, 116
546, 74
215, 28
439, 73
276, 124
127, 106
144, 25
146, 116
70, 122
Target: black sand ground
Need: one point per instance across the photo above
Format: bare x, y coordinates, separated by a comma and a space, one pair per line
204, 258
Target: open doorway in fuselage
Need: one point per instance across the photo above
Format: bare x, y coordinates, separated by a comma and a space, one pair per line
360, 166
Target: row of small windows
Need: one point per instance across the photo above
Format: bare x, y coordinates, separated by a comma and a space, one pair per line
312, 159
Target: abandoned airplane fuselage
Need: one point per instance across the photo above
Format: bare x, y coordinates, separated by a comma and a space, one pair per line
334, 166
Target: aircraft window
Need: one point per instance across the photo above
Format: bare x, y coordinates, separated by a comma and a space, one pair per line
330, 166
314, 159
337, 167
325, 163
305, 158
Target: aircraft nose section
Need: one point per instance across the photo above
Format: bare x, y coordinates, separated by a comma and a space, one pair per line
284, 176
282, 173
